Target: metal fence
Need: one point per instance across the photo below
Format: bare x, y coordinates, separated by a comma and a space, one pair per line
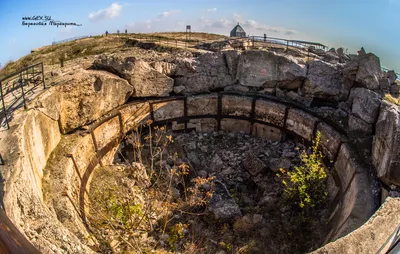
70, 39
18, 88
165, 41
272, 41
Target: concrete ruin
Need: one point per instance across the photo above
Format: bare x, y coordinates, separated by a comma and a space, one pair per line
53, 147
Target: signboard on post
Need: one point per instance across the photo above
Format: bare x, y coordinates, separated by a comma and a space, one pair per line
188, 31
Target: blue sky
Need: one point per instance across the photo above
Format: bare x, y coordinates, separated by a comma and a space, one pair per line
352, 24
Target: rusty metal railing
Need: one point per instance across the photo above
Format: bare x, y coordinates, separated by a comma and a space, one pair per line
16, 88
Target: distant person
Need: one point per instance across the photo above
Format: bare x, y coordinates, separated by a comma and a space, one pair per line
106, 33
126, 31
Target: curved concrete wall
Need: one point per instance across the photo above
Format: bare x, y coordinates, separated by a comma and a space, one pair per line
80, 153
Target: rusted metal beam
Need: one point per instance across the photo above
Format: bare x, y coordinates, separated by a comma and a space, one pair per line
11, 240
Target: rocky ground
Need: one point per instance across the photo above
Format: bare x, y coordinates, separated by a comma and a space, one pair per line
229, 200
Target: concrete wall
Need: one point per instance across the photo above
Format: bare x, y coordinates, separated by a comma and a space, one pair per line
82, 152
262, 118
269, 119
26, 149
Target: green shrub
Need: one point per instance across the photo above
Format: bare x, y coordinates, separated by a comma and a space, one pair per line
306, 183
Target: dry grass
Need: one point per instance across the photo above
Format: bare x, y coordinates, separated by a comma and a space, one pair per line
50, 55
391, 99
95, 45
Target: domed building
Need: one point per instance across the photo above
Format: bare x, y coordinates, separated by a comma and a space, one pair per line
238, 31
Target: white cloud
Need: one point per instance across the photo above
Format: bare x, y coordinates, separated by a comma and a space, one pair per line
130, 25
222, 23
211, 10
110, 12
237, 17
205, 20
208, 23
252, 24
148, 23
167, 14
141, 26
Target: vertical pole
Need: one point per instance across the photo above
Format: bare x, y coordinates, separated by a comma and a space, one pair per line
3, 104
22, 89
287, 45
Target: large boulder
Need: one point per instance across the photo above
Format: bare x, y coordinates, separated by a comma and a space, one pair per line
232, 61
391, 75
359, 127
386, 144
215, 46
268, 69
145, 79
222, 205
207, 73
325, 80
384, 84
164, 68
88, 95
395, 88
369, 71
365, 104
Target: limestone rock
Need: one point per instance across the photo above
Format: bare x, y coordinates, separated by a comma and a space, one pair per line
386, 144
361, 52
179, 89
207, 73
395, 89
359, 126
365, 105
215, 45
232, 61
87, 95
350, 69
331, 57
391, 75
164, 68
222, 205
247, 223
253, 164
369, 71
384, 84
325, 80
275, 164
216, 163
138, 172
237, 88
340, 52
146, 80
267, 69
298, 98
